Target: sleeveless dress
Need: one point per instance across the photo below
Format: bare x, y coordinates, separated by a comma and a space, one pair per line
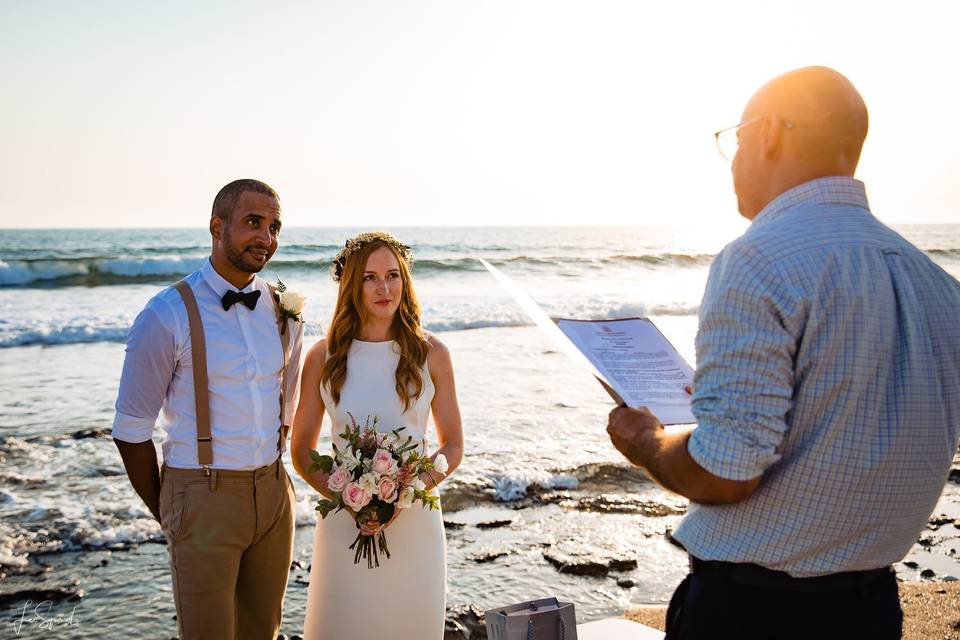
405, 597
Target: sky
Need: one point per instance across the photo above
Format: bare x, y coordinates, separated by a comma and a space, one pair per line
391, 113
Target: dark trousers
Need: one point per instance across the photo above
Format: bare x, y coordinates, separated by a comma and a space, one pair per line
752, 603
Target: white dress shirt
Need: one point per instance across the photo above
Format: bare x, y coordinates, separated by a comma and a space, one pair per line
244, 362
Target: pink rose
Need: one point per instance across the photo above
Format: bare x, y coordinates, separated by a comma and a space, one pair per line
387, 490
338, 479
384, 462
355, 496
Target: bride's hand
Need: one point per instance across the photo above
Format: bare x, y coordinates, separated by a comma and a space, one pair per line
373, 527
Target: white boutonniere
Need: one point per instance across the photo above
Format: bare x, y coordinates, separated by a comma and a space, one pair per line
291, 304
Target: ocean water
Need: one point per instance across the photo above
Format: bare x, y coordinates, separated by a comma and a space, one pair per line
540, 484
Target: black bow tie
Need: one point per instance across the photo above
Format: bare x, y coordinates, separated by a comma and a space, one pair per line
249, 300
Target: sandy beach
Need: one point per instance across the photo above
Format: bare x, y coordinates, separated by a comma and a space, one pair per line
930, 610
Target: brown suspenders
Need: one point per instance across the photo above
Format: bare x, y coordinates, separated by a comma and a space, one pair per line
201, 386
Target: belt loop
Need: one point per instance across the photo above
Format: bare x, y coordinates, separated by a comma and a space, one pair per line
213, 478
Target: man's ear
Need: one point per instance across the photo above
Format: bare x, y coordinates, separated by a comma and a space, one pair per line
216, 226
771, 136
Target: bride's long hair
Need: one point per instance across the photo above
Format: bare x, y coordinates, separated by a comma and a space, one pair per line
349, 315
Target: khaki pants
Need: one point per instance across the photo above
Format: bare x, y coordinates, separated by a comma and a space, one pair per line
230, 538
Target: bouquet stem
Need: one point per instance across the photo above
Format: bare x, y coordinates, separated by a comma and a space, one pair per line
366, 548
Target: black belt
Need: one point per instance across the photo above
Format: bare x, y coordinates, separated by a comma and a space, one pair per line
753, 575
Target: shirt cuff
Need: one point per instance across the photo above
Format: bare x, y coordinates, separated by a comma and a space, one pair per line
733, 451
130, 429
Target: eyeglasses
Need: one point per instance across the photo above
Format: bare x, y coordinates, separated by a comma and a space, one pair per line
728, 141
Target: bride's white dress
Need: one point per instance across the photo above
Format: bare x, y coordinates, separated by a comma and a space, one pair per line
403, 599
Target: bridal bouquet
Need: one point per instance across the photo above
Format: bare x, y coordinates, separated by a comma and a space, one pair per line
374, 474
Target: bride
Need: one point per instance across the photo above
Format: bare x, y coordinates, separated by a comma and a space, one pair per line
377, 361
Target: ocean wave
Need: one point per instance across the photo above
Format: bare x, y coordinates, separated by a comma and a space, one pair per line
534, 485
94, 271
487, 318
102, 271
952, 254
50, 336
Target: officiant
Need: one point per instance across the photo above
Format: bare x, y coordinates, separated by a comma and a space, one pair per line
825, 395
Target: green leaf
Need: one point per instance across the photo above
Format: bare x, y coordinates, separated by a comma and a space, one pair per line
384, 512
325, 463
326, 506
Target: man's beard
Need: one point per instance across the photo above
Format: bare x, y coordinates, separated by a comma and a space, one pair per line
239, 258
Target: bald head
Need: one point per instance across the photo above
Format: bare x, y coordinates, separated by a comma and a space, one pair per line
827, 114
805, 124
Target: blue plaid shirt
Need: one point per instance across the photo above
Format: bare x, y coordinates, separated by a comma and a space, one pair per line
828, 360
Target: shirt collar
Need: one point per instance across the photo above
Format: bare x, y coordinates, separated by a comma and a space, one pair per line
838, 190
217, 282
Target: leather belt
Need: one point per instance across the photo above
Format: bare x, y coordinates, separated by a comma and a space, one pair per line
753, 575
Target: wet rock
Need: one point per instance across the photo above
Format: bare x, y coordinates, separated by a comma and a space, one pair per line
938, 521
577, 567
614, 503
954, 475
296, 564
448, 524
588, 565
911, 564
68, 594
482, 558
90, 433
464, 622
927, 573
627, 564
300, 581
949, 579
494, 524
626, 583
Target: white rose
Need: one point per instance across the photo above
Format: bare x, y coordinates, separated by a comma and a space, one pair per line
419, 484
440, 464
292, 302
369, 482
405, 501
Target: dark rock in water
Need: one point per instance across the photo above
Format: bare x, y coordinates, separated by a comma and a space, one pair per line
626, 583
464, 622
90, 433
613, 503
482, 558
42, 595
911, 564
296, 564
494, 524
296, 637
588, 565
300, 581
447, 524
281, 636
938, 521
954, 475
626, 564
927, 573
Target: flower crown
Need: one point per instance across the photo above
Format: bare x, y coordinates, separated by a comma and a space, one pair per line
353, 245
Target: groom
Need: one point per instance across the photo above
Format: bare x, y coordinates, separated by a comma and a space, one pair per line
219, 360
